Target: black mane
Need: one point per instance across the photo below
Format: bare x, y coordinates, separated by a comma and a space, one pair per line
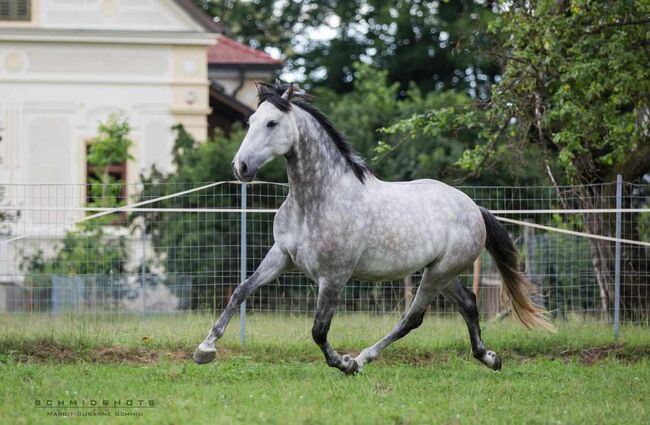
273, 93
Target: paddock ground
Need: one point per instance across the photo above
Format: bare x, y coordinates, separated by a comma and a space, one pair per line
580, 375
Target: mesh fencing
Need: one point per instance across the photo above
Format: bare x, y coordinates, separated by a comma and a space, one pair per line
183, 253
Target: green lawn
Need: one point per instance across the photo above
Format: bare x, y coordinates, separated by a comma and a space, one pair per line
579, 375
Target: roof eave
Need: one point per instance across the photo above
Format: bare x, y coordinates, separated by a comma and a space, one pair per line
251, 66
54, 35
230, 101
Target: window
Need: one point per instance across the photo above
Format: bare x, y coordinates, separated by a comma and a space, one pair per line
15, 10
115, 192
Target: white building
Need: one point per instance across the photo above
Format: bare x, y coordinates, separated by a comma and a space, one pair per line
66, 65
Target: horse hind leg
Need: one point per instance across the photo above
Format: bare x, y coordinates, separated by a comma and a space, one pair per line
412, 319
465, 300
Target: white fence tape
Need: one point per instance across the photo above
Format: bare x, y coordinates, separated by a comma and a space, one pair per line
572, 232
124, 208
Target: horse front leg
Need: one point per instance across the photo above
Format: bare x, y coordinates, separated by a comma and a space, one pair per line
328, 298
273, 265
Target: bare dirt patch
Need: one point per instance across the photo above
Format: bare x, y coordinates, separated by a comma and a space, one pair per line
617, 351
55, 352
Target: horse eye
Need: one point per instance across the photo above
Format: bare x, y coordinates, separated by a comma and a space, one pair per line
272, 124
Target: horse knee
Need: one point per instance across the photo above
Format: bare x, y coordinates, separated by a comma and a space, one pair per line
467, 305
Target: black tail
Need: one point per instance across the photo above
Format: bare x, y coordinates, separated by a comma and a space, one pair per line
516, 289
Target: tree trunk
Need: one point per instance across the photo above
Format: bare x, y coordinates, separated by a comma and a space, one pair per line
635, 300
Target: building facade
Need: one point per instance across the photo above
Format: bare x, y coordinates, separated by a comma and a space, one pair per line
66, 65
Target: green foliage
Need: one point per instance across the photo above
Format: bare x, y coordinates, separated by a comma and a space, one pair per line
575, 84
400, 141
431, 43
110, 147
268, 23
81, 252
373, 104
112, 144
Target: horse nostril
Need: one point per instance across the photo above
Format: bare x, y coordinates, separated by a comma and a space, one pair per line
243, 168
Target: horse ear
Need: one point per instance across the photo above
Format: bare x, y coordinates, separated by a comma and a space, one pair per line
259, 86
288, 93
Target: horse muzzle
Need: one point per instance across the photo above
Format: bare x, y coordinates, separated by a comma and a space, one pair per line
243, 171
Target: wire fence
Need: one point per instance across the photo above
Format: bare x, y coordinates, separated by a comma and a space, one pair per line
174, 253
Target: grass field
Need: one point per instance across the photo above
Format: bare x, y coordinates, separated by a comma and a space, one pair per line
579, 375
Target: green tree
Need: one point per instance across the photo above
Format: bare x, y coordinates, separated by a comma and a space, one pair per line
432, 43
575, 86
110, 147
374, 104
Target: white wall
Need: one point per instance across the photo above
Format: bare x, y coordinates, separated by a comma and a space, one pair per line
137, 15
47, 113
71, 67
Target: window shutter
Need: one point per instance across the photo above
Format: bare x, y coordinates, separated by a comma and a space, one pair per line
15, 10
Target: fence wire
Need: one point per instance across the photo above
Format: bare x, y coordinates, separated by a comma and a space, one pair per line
182, 253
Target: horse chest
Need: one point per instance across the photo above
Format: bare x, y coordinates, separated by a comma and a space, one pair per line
318, 244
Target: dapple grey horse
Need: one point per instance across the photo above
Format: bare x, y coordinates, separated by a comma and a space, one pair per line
339, 222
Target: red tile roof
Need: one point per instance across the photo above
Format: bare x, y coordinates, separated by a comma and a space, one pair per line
230, 52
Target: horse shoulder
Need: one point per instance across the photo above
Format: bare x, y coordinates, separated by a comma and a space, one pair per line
282, 225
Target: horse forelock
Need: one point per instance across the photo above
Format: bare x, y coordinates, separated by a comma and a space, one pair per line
272, 93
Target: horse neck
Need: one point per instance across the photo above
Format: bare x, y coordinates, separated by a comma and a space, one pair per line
315, 166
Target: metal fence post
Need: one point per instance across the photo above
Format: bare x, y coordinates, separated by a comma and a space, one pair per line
242, 264
143, 270
617, 264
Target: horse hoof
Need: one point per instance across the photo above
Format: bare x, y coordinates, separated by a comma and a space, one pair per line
203, 357
351, 366
492, 360
497, 362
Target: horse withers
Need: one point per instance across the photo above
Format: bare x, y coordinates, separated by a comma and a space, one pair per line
340, 222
